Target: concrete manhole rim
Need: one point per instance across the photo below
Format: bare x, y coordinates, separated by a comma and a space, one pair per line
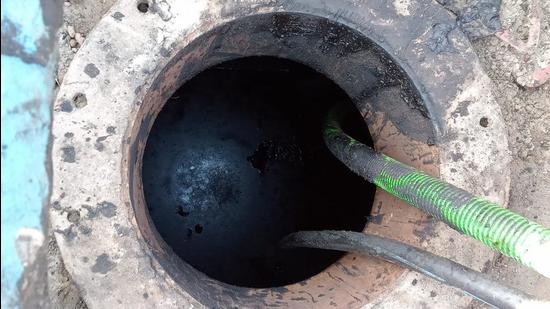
100, 96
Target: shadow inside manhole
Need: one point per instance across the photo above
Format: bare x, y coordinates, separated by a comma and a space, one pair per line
236, 160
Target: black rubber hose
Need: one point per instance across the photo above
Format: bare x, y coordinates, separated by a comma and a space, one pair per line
472, 282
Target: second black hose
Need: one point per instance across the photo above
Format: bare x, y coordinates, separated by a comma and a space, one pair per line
439, 268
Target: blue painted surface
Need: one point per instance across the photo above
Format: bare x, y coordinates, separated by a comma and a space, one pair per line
25, 111
27, 17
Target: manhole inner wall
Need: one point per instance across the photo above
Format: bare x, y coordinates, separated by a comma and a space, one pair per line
228, 157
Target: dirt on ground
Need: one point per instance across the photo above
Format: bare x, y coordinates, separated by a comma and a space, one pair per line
513, 61
79, 18
526, 111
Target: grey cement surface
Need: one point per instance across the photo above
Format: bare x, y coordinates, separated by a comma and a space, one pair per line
527, 115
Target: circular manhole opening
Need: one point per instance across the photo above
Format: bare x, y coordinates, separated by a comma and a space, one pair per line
226, 157
236, 160
397, 96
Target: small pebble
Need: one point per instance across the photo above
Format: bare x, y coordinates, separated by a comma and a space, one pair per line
79, 38
67, 3
71, 31
74, 50
72, 43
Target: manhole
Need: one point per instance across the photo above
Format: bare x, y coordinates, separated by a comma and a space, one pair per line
235, 159
199, 146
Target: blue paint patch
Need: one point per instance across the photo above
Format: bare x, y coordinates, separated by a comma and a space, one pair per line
26, 91
26, 16
26, 117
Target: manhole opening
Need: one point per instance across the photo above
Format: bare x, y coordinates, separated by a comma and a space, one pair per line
235, 160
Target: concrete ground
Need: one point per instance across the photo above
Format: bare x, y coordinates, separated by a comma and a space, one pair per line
527, 115
526, 110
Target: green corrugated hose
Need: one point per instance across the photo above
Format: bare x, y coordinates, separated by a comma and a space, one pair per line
503, 230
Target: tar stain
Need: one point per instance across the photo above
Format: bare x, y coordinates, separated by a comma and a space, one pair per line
484, 122
66, 106
80, 100
118, 16
103, 264
439, 41
259, 158
181, 212
228, 173
478, 18
107, 209
91, 70
111, 130
68, 154
73, 216
275, 150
